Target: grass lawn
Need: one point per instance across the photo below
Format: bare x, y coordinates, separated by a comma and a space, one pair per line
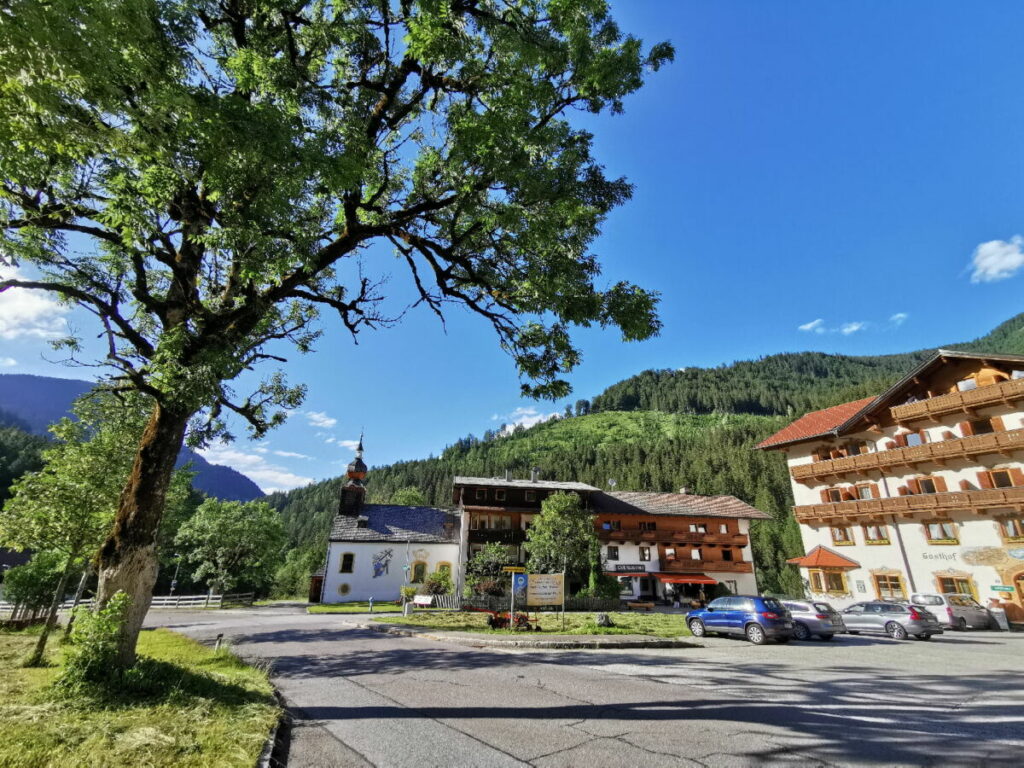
209, 709
355, 607
654, 624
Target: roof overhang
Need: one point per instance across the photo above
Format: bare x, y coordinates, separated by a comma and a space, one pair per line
685, 578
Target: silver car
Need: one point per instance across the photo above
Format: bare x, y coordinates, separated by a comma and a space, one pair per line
897, 620
956, 611
814, 618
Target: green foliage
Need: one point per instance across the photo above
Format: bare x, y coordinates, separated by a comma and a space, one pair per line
228, 543
32, 584
90, 658
20, 452
489, 562
439, 583
406, 592
601, 586
292, 578
409, 496
562, 537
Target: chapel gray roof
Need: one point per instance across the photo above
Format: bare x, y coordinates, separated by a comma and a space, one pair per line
544, 485
393, 522
689, 505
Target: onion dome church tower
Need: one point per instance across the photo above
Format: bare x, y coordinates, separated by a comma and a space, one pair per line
353, 493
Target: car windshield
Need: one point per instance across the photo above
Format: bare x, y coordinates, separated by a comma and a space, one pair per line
926, 600
823, 608
798, 607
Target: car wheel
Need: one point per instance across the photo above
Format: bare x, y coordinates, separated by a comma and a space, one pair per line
755, 634
697, 628
801, 632
923, 637
826, 637
961, 624
896, 631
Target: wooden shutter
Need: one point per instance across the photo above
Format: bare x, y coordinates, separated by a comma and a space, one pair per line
965, 428
875, 494
940, 484
965, 486
824, 497
890, 444
923, 434
985, 480
914, 486
948, 435
901, 441
997, 425
1016, 476
848, 494
902, 490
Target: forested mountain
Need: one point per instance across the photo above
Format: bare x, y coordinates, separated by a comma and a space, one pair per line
787, 384
660, 431
32, 403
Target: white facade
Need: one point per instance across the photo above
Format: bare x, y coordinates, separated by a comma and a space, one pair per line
955, 478
377, 569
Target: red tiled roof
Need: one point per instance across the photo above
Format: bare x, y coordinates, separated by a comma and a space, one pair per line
686, 504
815, 424
823, 557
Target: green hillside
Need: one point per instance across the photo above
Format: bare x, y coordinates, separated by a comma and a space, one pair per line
791, 383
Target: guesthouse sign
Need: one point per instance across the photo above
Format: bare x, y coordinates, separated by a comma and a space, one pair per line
545, 589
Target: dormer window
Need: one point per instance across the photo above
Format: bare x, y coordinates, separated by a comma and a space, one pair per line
481, 494
499, 495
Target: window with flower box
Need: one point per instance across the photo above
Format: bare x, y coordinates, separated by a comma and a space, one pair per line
876, 533
941, 532
842, 535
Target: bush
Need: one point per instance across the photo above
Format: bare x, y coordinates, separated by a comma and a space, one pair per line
439, 583
90, 659
32, 585
407, 592
602, 588
489, 587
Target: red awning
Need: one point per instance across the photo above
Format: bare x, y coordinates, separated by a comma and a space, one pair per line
685, 578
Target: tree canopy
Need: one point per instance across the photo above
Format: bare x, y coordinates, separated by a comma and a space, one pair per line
562, 537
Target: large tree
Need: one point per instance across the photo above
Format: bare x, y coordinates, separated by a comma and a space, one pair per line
205, 175
562, 538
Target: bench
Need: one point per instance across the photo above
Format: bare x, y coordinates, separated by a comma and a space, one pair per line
423, 601
637, 606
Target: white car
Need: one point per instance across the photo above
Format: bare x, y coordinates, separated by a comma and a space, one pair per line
956, 611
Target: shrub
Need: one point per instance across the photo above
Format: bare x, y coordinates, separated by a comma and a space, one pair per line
90, 659
407, 592
602, 587
439, 583
489, 587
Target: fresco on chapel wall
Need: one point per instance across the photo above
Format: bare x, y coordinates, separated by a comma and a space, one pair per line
381, 560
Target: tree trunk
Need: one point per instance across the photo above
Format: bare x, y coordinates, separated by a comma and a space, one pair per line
128, 559
58, 597
78, 598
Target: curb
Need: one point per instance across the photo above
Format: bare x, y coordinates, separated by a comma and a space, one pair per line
265, 760
491, 642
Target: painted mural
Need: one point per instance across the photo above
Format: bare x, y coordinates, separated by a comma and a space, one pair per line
381, 561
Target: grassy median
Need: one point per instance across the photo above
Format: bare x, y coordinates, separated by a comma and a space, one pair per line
356, 607
653, 624
197, 708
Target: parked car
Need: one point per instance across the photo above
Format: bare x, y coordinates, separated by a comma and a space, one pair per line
814, 618
757, 618
956, 611
898, 620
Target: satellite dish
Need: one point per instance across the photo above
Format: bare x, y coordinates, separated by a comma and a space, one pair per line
611, 482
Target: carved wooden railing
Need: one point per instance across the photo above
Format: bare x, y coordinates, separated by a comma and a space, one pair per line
944, 450
904, 505
685, 565
961, 402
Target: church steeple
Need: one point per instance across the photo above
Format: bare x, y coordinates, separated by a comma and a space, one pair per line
353, 492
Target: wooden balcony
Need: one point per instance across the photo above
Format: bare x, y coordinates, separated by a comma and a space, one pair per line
684, 565
489, 536
911, 505
669, 537
1003, 393
937, 453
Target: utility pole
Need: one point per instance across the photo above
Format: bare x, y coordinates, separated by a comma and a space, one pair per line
174, 578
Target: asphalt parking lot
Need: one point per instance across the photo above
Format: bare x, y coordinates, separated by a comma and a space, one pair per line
364, 698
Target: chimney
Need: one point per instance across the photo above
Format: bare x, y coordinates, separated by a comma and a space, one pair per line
535, 474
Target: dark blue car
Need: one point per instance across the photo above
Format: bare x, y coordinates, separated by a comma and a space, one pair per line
756, 618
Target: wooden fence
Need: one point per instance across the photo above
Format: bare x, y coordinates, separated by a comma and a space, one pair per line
237, 600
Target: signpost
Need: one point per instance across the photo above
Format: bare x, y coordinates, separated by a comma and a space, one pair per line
514, 569
1001, 588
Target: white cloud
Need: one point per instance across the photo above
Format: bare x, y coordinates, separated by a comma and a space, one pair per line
329, 440
847, 328
997, 260
899, 318
291, 455
816, 326
349, 445
29, 314
320, 419
527, 417
7, 362
269, 477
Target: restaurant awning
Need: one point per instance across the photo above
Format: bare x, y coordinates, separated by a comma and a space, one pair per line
685, 578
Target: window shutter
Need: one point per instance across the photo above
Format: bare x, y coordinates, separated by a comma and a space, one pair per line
923, 434
997, 424
890, 444
902, 490
914, 486
985, 480
948, 435
940, 484
965, 486
965, 428
824, 497
1017, 476
901, 441
874, 491
848, 494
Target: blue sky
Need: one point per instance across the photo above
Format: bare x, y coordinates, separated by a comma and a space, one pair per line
854, 169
